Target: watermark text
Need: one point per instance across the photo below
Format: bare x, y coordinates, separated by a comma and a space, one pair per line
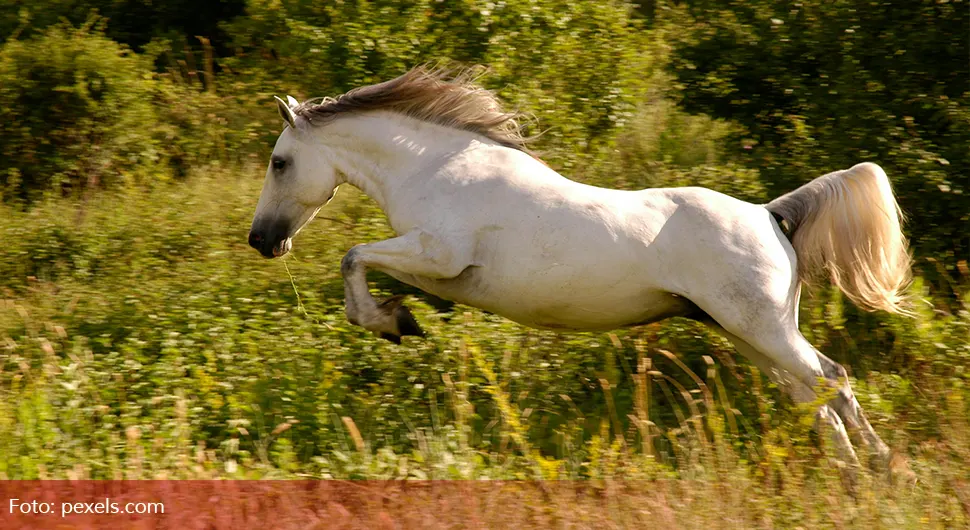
64, 509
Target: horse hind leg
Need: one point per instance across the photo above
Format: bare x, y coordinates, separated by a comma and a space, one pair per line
759, 311
848, 407
800, 393
777, 338
833, 375
754, 298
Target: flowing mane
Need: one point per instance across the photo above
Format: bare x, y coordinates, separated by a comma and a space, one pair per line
437, 95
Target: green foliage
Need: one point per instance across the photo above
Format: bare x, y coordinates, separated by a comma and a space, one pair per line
823, 86
75, 109
140, 337
134, 23
203, 121
539, 54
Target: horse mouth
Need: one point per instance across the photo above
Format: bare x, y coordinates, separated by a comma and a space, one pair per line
282, 248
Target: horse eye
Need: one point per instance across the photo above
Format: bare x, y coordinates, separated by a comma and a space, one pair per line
279, 164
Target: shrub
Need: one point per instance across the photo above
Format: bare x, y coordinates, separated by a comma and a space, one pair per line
821, 86
539, 55
75, 111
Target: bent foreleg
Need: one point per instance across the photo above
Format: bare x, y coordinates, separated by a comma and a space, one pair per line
417, 253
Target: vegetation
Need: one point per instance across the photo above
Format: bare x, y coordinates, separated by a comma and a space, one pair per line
74, 109
824, 85
142, 338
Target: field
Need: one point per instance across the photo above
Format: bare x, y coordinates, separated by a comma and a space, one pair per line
149, 341
142, 338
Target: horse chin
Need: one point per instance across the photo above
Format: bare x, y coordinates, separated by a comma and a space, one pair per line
282, 248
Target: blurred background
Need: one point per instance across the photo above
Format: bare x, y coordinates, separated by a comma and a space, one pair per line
140, 337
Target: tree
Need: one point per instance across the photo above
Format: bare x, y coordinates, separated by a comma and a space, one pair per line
823, 85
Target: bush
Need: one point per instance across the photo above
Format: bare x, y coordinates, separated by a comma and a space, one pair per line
134, 23
539, 55
75, 111
822, 86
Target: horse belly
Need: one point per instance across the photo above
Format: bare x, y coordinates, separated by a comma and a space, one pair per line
607, 313
557, 306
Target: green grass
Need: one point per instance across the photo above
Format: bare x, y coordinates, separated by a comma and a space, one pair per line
142, 338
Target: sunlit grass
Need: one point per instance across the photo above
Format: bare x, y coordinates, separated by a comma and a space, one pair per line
143, 339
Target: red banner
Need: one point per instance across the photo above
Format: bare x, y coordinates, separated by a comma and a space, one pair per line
269, 504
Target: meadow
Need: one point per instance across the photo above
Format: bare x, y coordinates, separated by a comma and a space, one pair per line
146, 340
142, 338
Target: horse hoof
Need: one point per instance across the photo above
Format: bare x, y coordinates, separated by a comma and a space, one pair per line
406, 324
403, 319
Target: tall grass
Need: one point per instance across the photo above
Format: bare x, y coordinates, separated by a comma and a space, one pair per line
143, 339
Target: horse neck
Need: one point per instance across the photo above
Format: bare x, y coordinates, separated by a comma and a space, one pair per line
381, 152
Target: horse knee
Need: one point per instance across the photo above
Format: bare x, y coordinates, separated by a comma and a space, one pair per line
349, 261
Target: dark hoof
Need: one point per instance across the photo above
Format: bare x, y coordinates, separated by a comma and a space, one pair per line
406, 324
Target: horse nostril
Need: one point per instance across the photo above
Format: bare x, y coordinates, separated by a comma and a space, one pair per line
255, 240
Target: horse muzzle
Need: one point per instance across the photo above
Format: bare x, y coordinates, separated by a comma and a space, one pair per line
270, 239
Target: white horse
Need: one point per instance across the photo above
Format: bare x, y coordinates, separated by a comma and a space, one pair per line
482, 222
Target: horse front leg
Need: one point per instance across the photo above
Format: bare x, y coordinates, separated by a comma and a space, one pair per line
418, 254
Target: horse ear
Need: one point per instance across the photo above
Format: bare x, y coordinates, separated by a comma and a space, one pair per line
286, 112
292, 102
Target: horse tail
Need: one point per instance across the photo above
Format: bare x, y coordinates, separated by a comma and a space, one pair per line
848, 224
